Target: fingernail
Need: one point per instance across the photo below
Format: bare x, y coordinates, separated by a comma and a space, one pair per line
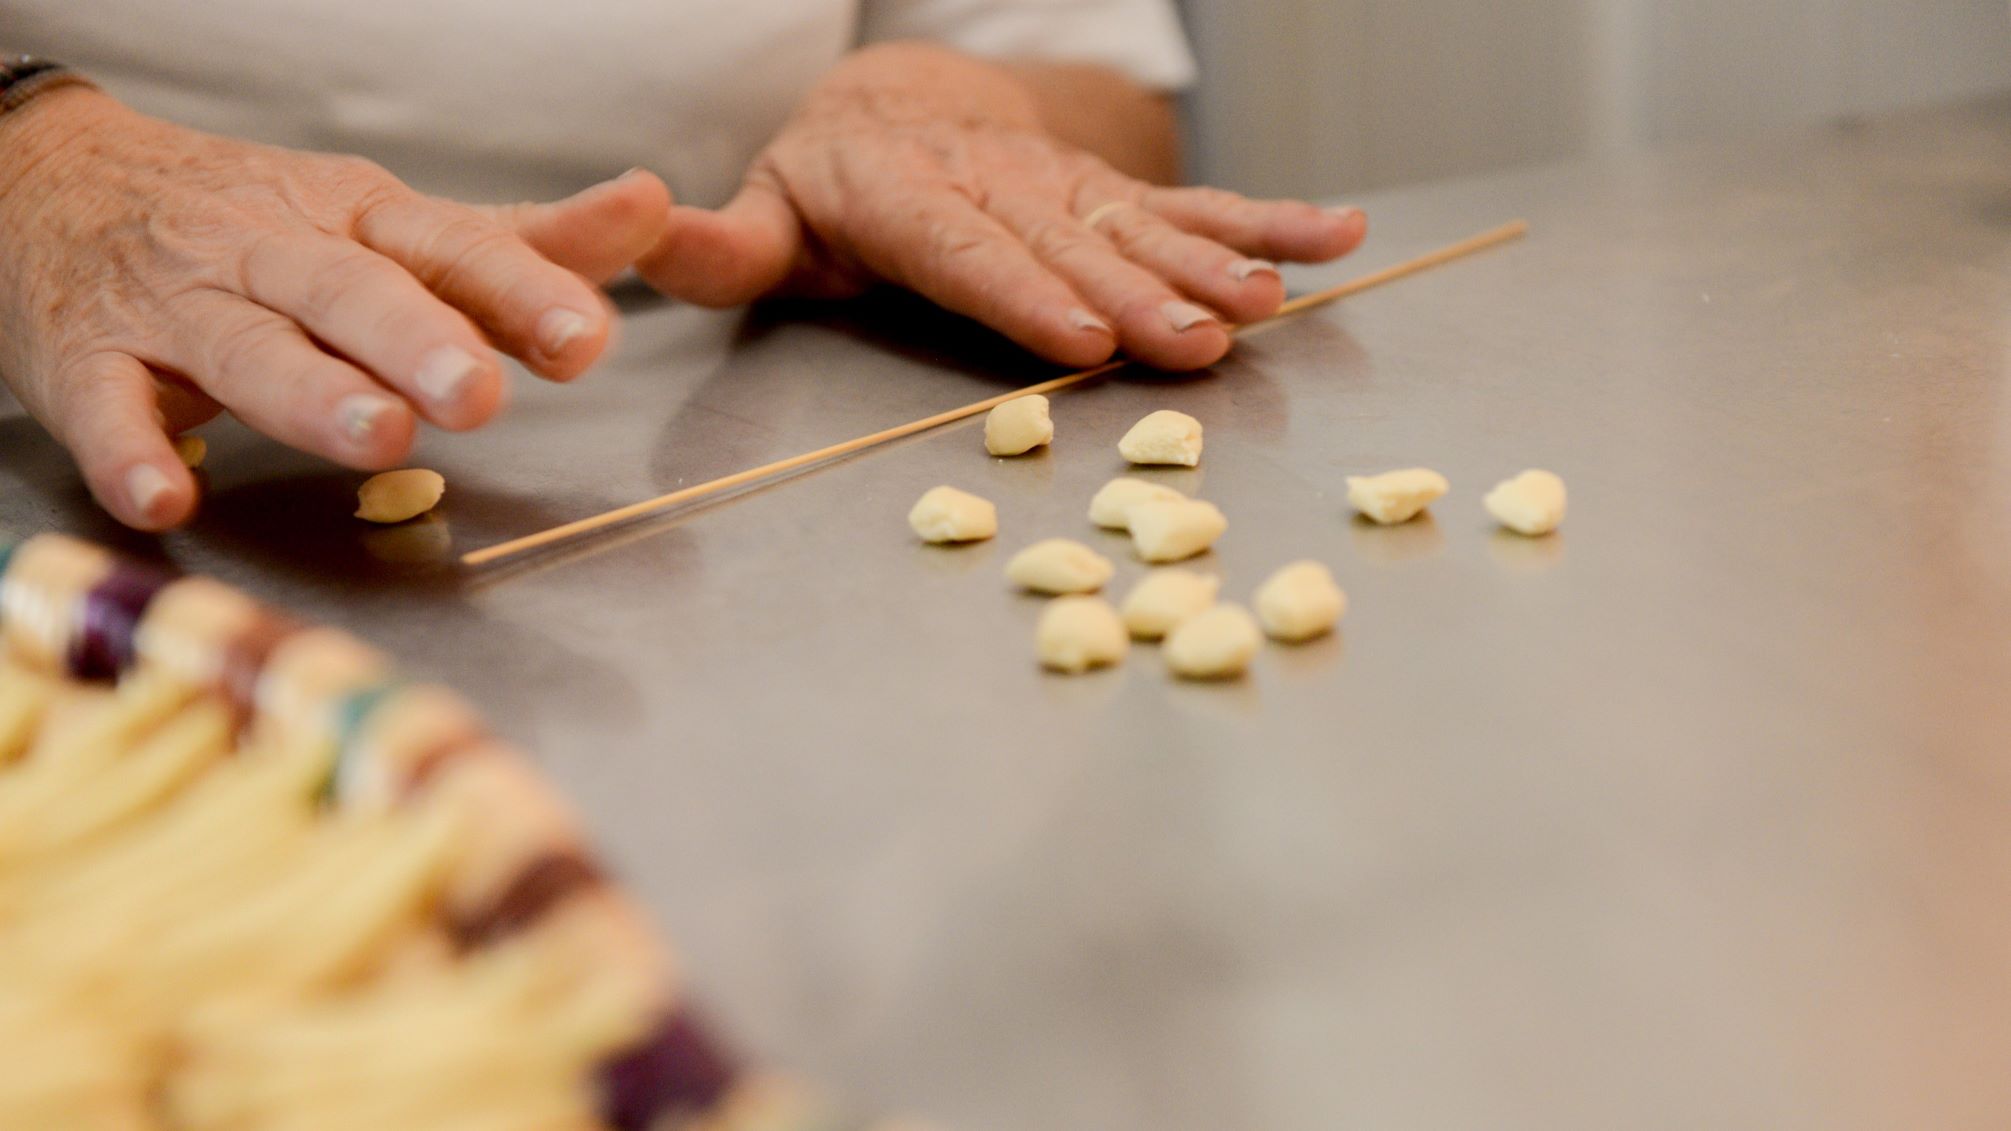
146, 485
444, 373
1083, 320
1184, 316
1244, 268
614, 182
1346, 212
360, 415
560, 328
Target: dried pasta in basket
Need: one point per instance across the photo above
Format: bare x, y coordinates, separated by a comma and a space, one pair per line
251, 880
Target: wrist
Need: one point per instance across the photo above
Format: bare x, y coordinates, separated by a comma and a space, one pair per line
917, 80
38, 131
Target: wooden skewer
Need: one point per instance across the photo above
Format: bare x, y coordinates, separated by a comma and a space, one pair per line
1450, 252
1513, 230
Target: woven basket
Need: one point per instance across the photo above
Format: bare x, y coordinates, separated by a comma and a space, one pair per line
250, 879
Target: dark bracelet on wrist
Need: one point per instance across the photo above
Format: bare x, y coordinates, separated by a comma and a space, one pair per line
22, 77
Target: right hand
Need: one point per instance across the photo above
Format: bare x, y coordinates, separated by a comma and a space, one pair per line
152, 275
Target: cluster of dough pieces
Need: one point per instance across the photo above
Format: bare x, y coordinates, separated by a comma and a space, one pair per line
1203, 639
1530, 504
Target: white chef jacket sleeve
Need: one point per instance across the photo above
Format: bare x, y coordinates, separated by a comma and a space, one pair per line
1141, 38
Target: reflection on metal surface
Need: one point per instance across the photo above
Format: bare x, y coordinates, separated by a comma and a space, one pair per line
1090, 692
423, 541
1519, 552
1235, 700
1411, 541
1186, 480
957, 558
1315, 658
1035, 469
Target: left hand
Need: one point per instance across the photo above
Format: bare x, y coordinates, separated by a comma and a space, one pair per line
918, 166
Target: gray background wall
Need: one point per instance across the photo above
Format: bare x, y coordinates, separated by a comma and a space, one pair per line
1318, 97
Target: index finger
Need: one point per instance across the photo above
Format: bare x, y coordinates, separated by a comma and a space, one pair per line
535, 310
1273, 229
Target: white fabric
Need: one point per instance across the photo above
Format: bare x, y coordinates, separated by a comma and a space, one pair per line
514, 100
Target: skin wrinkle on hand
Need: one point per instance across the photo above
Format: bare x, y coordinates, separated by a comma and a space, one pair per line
910, 146
219, 261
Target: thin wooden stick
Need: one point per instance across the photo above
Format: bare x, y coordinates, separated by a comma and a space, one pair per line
1513, 230
1465, 247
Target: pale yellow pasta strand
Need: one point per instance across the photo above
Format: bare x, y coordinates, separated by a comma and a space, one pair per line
65, 1070
64, 755
162, 762
496, 1024
228, 950
250, 794
24, 696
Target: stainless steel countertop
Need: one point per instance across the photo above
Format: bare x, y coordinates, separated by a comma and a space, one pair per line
1692, 816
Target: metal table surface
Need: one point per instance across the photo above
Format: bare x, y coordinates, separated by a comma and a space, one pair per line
1690, 816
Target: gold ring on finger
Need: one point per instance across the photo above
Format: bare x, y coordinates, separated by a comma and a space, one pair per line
1103, 212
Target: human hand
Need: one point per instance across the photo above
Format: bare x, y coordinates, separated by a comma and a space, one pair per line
152, 275
922, 167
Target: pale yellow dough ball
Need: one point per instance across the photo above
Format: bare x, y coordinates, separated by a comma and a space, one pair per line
191, 450
1111, 507
1532, 503
945, 514
1396, 496
1300, 601
1079, 633
396, 496
1167, 598
1173, 530
1218, 644
1163, 437
1059, 565
1018, 426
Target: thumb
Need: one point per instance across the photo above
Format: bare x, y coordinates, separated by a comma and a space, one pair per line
597, 233
729, 257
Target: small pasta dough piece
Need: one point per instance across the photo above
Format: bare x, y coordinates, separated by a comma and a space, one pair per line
1300, 602
1166, 599
1059, 565
1163, 437
1111, 508
1218, 644
1170, 531
1018, 426
945, 514
1080, 633
191, 450
1532, 503
396, 496
1396, 496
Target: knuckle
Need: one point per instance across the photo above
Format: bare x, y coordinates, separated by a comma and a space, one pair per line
950, 242
1054, 239
358, 173
961, 262
466, 246
237, 348
343, 281
1220, 200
